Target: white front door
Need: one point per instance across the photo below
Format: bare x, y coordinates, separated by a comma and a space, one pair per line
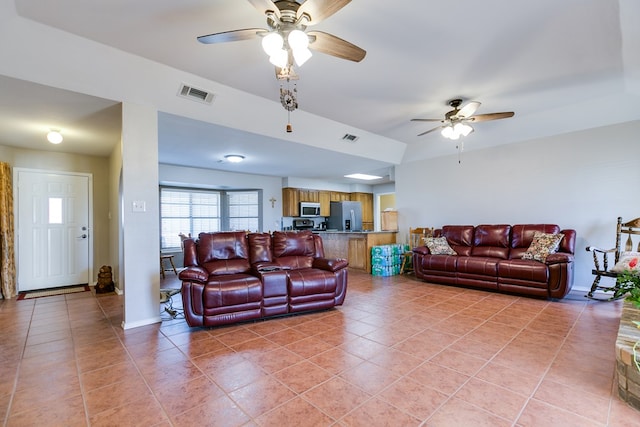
53, 229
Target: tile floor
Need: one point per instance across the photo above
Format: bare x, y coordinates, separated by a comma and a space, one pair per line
399, 352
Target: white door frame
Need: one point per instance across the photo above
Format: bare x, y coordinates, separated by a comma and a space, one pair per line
89, 177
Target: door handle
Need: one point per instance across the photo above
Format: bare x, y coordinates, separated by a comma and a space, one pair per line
84, 236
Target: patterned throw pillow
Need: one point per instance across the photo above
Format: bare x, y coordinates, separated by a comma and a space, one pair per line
542, 246
628, 261
439, 246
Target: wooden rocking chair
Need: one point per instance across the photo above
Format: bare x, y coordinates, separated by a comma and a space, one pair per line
601, 255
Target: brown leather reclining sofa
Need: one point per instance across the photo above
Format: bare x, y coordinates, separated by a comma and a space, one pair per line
490, 257
234, 276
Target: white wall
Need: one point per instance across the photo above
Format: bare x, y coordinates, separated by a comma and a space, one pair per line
141, 245
194, 177
583, 180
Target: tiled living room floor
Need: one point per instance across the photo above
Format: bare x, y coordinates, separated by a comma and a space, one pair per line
399, 352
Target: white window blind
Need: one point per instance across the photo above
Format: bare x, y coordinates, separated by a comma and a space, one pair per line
184, 210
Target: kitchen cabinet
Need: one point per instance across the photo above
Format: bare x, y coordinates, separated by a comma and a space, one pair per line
357, 252
290, 202
325, 203
337, 196
355, 247
291, 198
308, 195
366, 200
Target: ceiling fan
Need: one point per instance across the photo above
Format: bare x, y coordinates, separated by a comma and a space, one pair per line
456, 122
289, 20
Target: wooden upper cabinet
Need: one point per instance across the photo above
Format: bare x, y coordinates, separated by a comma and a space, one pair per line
337, 196
291, 198
290, 202
325, 202
309, 195
366, 200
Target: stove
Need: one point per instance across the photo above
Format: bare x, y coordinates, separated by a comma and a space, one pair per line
303, 224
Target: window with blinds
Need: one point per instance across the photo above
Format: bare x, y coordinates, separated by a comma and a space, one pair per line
195, 211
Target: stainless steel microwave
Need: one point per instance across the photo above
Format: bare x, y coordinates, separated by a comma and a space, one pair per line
309, 209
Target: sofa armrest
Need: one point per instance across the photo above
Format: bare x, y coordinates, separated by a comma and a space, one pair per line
422, 250
330, 264
195, 274
559, 258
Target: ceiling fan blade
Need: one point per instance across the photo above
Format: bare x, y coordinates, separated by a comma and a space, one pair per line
491, 116
335, 46
264, 6
232, 36
430, 130
469, 109
319, 10
427, 120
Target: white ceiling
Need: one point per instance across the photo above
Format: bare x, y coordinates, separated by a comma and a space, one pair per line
560, 66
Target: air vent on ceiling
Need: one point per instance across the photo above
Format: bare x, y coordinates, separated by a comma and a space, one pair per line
195, 94
350, 138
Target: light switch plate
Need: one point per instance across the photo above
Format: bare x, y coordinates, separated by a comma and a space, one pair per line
139, 206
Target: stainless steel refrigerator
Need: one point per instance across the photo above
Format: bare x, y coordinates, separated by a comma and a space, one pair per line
345, 216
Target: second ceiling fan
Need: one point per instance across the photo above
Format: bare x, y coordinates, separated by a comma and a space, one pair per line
456, 122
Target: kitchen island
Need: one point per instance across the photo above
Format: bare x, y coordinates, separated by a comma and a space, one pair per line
355, 246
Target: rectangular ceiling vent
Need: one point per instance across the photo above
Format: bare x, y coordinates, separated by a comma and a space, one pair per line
195, 94
350, 138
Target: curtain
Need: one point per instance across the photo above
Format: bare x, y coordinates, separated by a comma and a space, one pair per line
7, 258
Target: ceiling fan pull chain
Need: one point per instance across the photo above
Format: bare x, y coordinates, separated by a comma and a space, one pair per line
460, 148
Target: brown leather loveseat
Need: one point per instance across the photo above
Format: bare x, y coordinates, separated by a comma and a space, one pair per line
491, 257
234, 276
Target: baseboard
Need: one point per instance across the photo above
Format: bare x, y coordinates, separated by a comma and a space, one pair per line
145, 322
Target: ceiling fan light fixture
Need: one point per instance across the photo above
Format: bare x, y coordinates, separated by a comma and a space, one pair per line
272, 43
462, 129
280, 58
54, 137
298, 40
301, 55
447, 132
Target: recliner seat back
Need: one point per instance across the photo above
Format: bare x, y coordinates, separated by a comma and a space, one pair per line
224, 252
294, 250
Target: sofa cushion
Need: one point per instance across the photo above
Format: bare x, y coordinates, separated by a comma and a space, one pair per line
478, 265
223, 252
542, 245
439, 263
460, 238
259, 248
491, 241
524, 271
311, 281
293, 249
221, 294
439, 246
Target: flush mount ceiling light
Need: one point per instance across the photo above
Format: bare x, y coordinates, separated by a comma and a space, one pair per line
234, 158
362, 176
54, 137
